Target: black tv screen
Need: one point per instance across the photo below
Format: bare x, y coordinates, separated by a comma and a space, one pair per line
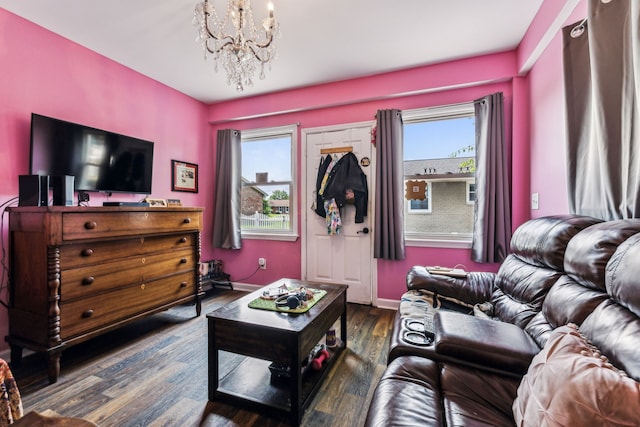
99, 160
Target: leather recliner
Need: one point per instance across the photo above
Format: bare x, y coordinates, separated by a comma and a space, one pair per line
561, 270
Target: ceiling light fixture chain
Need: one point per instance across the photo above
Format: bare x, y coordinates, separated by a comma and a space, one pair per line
235, 40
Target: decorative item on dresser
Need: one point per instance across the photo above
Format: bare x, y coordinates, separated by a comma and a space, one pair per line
77, 272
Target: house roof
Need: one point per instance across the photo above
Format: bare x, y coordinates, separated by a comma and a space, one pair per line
437, 168
252, 186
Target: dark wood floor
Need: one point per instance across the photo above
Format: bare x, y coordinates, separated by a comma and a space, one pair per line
154, 373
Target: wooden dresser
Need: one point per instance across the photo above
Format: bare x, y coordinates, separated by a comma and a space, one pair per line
77, 272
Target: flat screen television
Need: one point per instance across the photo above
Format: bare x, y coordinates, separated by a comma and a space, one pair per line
100, 160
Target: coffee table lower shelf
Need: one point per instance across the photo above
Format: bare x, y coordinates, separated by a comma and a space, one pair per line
250, 384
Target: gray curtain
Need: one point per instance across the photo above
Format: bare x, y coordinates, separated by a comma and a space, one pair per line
226, 217
602, 73
492, 222
389, 200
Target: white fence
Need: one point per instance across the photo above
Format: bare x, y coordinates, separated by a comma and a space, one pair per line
260, 221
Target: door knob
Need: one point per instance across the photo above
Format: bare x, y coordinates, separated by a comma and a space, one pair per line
364, 231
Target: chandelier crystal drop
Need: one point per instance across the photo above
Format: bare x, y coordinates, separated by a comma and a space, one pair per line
235, 40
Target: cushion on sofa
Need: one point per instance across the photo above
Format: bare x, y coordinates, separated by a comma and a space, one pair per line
408, 394
587, 255
622, 274
485, 342
473, 397
534, 265
542, 241
566, 302
475, 288
570, 383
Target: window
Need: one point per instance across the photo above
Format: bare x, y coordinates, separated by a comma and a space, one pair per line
421, 206
471, 193
439, 149
268, 209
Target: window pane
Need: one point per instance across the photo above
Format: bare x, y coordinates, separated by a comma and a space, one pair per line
441, 150
266, 184
270, 155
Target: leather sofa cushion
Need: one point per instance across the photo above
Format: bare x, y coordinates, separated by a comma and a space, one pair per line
475, 288
520, 289
485, 342
542, 241
569, 383
623, 271
588, 253
616, 331
475, 397
408, 394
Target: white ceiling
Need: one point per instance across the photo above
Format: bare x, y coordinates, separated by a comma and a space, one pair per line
322, 40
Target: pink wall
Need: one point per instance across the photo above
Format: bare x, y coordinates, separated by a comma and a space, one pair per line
548, 133
47, 74
357, 101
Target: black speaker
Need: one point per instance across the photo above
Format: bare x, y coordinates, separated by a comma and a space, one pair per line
44, 190
62, 189
33, 190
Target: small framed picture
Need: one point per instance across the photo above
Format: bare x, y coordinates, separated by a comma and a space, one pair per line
156, 202
184, 176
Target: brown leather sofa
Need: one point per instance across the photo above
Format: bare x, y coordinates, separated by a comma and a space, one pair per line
562, 270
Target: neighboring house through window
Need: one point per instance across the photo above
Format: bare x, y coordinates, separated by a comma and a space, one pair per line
471, 192
439, 150
268, 187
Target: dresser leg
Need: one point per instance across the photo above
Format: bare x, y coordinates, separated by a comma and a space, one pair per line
198, 307
54, 366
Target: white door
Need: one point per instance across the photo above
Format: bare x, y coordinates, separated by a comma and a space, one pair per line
346, 257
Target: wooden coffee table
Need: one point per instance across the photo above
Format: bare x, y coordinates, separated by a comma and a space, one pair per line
268, 336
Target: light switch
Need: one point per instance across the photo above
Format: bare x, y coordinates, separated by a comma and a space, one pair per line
534, 200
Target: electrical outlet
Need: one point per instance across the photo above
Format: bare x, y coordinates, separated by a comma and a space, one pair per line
262, 262
535, 201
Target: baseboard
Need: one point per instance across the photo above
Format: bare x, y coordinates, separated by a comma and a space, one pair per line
388, 303
246, 287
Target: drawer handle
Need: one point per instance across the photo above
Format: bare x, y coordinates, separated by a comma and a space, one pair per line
183, 240
87, 314
183, 284
183, 260
88, 280
87, 252
187, 221
91, 225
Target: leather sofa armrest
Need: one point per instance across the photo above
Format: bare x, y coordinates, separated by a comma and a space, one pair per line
476, 288
498, 345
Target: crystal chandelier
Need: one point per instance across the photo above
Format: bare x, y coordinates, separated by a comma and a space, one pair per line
235, 40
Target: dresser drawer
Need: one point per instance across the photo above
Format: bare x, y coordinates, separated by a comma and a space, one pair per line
93, 225
88, 253
84, 281
84, 315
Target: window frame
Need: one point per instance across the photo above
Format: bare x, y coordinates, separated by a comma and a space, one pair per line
475, 192
444, 112
274, 132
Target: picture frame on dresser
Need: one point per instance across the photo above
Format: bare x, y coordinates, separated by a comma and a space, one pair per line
156, 202
184, 176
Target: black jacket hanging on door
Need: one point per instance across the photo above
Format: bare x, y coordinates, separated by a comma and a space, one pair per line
347, 183
324, 164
